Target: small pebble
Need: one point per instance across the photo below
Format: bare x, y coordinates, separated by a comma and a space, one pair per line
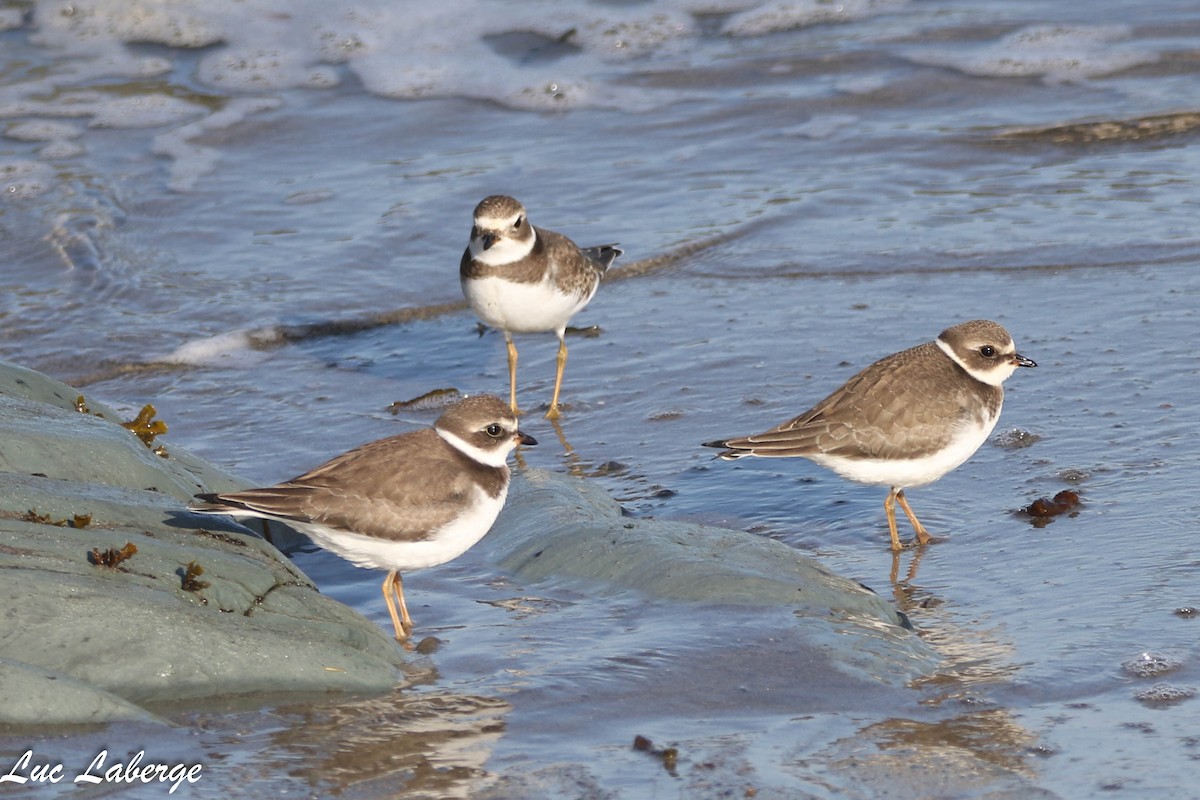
1162, 694
428, 645
1151, 665
1016, 439
1063, 502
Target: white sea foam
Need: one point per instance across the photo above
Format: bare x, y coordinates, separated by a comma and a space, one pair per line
148, 110
824, 126
61, 148
240, 348
525, 54
1056, 53
22, 179
41, 131
191, 161
99, 25
784, 15
11, 18
411, 50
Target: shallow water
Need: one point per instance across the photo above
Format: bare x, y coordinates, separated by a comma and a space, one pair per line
859, 186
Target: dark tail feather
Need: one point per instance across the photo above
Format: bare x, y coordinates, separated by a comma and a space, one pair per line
603, 254
728, 454
213, 503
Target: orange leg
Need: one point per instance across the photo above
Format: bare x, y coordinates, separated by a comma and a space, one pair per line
922, 535
512, 376
889, 507
561, 362
400, 621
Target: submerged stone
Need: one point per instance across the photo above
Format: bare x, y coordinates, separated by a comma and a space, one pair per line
1161, 695
557, 529
1150, 665
100, 619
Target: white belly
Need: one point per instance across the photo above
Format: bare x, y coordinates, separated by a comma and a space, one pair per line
522, 307
911, 472
448, 544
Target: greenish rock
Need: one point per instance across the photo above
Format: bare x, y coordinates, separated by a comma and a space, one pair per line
36, 696
122, 636
556, 528
87, 637
41, 432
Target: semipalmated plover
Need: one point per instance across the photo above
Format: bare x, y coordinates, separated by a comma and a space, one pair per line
904, 421
402, 503
523, 279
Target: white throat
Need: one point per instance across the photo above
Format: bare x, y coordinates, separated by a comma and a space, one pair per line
993, 377
495, 457
504, 251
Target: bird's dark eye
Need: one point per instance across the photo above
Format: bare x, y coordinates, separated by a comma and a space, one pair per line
494, 431
987, 351
517, 225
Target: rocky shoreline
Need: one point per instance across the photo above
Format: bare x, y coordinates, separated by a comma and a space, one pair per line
117, 599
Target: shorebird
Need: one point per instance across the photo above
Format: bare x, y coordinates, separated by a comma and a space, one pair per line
523, 279
402, 503
904, 421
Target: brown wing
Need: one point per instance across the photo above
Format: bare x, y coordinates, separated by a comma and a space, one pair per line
892, 409
588, 266
380, 489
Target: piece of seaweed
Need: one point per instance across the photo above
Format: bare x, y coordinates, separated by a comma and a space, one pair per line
191, 575
145, 426
669, 756
76, 521
112, 556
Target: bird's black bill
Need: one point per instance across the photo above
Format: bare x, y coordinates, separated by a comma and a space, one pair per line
1022, 361
488, 240
525, 438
